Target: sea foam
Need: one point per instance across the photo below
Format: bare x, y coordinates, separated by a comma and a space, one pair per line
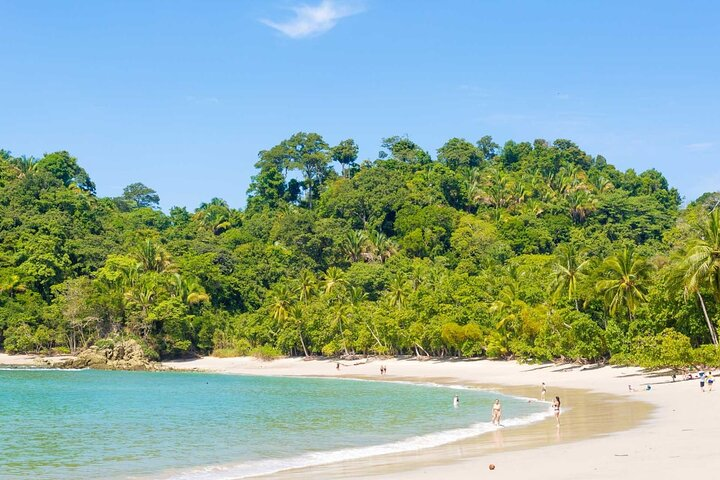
266, 467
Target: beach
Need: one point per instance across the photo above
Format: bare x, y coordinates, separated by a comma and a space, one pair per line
606, 431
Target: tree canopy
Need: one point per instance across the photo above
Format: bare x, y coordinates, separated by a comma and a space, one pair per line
534, 250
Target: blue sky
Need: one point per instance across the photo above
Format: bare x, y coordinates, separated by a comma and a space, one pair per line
181, 95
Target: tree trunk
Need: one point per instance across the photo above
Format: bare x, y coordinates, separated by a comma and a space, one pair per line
342, 334
302, 342
713, 334
373, 334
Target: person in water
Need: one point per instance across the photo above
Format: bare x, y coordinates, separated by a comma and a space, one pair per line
496, 412
556, 409
543, 391
456, 401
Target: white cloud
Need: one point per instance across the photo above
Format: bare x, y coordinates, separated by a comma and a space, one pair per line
699, 147
315, 20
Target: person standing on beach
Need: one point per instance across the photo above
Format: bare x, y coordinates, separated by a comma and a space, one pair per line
556, 409
496, 413
710, 381
543, 391
702, 383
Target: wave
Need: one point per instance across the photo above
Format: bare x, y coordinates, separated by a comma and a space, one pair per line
266, 467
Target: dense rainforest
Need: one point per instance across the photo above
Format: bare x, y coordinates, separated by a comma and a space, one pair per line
535, 251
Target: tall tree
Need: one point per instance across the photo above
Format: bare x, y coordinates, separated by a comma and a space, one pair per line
626, 281
308, 153
569, 269
345, 153
701, 266
137, 195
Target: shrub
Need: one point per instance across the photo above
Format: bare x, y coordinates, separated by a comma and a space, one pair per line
669, 348
265, 352
19, 339
707, 355
589, 340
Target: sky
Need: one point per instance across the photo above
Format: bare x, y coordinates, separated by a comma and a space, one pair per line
182, 95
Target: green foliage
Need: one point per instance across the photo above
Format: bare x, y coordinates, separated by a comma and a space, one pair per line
536, 251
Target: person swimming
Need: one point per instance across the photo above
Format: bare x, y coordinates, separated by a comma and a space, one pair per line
456, 401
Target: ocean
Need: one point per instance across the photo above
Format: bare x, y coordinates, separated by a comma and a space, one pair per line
64, 424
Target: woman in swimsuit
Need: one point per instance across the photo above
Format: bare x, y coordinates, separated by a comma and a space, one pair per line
556, 408
496, 412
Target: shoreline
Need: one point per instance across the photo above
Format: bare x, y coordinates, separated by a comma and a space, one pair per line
601, 410
607, 431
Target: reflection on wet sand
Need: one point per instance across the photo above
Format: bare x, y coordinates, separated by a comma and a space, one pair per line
585, 415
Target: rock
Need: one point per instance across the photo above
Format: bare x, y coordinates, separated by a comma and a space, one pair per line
125, 355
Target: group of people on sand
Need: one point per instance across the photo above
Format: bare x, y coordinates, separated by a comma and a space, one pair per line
706, 378
383, 369
497, 408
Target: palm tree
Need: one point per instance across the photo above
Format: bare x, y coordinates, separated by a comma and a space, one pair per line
380, 246
333, 279
143, 297
569, 268
701, 266
625, 284
215, 216
306, 285
397, 290
296, 315
24, 165
188, 290
280, 305
153, 257
581, 204
341, 311
509, 302
353, 245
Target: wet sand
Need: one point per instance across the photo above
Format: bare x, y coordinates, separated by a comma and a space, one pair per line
606, 432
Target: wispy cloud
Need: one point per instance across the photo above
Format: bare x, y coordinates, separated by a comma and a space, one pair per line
699, 147
312, 20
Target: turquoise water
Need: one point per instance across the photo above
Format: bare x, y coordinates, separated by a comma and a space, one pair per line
57, 424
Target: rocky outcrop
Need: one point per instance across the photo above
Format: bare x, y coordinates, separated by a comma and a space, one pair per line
121, 355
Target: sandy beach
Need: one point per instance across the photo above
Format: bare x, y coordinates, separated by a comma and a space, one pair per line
606, 432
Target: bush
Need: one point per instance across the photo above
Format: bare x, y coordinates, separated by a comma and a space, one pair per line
19, 339
589, 340
104, 343
669, 348
331, 349
494, 347
707, 355
265, 352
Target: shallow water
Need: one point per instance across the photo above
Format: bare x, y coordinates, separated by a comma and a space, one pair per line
95, 424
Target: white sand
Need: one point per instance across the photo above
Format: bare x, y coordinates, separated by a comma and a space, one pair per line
678, 438
31, 360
